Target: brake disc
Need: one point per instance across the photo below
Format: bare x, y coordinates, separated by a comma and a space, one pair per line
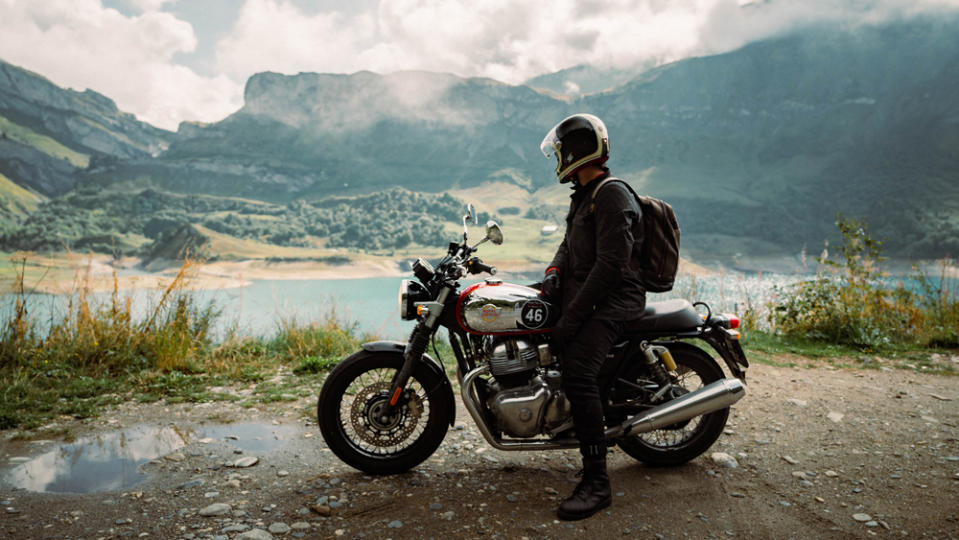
367, 418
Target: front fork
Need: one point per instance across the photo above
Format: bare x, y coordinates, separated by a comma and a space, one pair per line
420, 338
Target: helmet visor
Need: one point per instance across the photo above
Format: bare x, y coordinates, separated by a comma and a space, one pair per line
550, 145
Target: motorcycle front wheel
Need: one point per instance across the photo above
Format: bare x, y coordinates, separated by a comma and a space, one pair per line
679, 443
350, 412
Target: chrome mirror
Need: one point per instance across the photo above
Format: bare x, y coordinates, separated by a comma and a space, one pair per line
493, 232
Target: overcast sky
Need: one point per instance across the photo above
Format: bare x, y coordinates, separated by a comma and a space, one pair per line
173, 60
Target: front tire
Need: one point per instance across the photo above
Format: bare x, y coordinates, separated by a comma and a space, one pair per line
682, 442
349, 412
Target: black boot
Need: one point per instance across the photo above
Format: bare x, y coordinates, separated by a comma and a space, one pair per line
592, 494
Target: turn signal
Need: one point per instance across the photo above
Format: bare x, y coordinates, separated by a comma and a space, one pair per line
422, 311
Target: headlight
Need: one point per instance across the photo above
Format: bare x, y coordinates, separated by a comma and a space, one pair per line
411, 292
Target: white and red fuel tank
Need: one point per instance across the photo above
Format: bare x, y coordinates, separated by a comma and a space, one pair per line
494, 307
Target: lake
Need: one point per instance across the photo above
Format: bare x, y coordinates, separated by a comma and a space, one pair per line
260, 308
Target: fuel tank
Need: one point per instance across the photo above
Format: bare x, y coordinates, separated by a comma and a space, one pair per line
494, 307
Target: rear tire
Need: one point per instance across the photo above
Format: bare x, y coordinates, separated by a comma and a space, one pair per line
357, 389
680, 443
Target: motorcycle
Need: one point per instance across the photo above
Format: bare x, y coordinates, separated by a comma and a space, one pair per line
386, 408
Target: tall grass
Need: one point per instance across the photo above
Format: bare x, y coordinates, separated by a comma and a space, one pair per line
851, 302
97, 350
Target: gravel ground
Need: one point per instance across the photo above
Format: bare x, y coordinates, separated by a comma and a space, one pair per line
809, 452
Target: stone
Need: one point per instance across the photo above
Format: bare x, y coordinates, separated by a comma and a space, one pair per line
279, 528
395, 524
835, 417
215, 509
244, 462
322, 509
235, 528
790, 460
872, 523
254, 534
196, 482
799, 474
282, 473
300, 526
436, 506
831, 474
862, 518
175, 457
211, 494
725, 460
797, 402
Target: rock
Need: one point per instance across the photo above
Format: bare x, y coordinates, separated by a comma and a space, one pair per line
254, 534
806, 483
872, 523
175, 457
725, 460
282, 473
236, 527
233, 483
196, 482
737, 494
244, 462
785, 504
448, 515
799, 474
790, 460
797, 402
211, 494
940, 398
279, 528
395, 524
215, 509
322, 509
862, 517
820, 499
436, 506
835, 417
831, 474
300, 526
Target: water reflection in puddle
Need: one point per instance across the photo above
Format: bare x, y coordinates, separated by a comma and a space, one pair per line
110, 461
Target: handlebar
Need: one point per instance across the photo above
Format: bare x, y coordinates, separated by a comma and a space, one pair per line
475, 266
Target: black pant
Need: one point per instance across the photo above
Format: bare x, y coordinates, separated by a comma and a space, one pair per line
584, 357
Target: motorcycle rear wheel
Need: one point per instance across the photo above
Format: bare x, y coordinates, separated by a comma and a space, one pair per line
349, 414
682, 442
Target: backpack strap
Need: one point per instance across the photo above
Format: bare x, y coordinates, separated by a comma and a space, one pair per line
603, 182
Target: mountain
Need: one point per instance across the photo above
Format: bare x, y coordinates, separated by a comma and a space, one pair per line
757, 149
48, 133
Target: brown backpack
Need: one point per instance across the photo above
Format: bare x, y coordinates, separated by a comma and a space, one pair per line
658, 256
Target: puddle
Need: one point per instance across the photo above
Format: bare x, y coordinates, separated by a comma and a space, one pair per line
111, 461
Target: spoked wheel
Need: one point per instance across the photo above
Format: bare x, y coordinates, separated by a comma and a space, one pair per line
683, 441
352, 414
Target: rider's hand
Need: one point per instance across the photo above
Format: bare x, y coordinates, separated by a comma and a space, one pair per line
551, 283
565, 330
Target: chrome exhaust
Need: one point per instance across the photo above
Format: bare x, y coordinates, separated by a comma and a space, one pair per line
710, 398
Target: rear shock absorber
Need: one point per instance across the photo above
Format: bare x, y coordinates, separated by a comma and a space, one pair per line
660, 361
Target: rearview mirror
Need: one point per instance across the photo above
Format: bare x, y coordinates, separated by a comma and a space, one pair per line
493, 232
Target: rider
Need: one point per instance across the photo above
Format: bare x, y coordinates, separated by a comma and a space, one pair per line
594, 278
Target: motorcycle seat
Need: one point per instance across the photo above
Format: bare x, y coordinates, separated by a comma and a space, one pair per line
666, 316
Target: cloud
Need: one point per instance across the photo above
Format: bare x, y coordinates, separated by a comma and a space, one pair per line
81, 44
513, 40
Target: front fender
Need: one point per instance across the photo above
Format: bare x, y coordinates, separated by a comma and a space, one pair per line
397, 348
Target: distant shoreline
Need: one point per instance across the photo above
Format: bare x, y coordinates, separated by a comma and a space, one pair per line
66, 273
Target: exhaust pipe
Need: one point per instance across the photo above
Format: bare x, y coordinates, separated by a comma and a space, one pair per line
710, 398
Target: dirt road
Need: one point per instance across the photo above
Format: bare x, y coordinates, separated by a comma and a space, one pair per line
820, 453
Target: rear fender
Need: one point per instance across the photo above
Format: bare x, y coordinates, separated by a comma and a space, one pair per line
397, 348
729, 350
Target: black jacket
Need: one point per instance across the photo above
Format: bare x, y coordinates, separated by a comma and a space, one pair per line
597, 270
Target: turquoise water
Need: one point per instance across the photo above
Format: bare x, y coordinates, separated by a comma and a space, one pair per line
260, 308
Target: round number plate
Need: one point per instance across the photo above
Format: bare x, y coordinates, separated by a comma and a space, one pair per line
534, 314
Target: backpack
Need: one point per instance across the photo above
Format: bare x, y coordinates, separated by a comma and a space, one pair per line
658, 256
